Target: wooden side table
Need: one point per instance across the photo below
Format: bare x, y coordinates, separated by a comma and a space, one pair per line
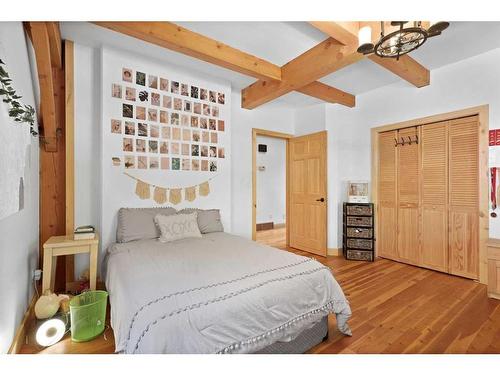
66, 245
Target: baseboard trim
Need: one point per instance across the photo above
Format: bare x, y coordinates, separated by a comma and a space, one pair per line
280, 225
334, 252
22, 330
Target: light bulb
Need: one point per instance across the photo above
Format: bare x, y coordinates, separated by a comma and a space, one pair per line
364, 35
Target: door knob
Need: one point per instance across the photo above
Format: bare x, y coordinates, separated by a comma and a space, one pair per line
320, 200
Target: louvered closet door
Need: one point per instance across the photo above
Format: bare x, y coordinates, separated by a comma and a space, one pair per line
387, 197
464, 197
434, 176
408, 199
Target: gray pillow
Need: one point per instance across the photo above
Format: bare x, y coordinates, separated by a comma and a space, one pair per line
208, 220
138, 223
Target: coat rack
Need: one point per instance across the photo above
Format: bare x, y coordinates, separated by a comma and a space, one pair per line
408, 140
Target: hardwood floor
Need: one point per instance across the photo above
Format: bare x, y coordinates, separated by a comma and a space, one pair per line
396, 308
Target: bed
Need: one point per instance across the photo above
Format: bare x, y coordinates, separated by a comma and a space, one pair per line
219, 293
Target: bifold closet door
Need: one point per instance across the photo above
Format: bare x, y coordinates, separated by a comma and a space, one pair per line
434, 178
464, 197
387, 196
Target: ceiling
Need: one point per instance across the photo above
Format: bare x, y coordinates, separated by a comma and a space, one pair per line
280, 42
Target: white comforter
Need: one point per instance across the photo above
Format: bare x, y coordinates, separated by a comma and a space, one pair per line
216, 294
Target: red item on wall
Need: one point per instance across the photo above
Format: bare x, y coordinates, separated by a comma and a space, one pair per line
492, 137
497, 137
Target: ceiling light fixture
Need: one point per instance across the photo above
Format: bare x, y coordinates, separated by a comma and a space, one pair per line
399, 42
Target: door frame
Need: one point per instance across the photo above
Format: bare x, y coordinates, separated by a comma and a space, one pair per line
483, 115
268, 133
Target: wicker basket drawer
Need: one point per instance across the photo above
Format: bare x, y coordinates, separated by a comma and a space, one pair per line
360, 221
359, 232
359, 210
360, 244
359, 255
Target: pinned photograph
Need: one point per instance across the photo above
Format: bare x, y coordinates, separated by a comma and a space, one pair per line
194, 121
116, 126
204, 165
203, 94
116, 161
142, 162
154, 131
203, 123
143, 96
140, 113
129, 162
205, 137
206, 109
142, 129
212, 124
153, 147
184, 120
155, 98
186, 135
187, 106
152, 114
128, 144
130, 94
185, 149
197, 108
186, 164
163, 84
129, 128
128, 110
213, 96
127, 74
174, 148
140, 145
174, 119
215, 111
194, 92
140, 78
213, 152
195, 150
176, 164
153, 82
213, 166
220, 125
116, 91
220, 153
204, 151
178, 104
176, 134
174, 87
213, 137
153, 163
195, 164
167, 101
163, 147
165, 163
221, 98
185, 89
196, 136
165, 132
164, 117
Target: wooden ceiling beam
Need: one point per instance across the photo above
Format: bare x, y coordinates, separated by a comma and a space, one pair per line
328, 94
406, 67
55, 44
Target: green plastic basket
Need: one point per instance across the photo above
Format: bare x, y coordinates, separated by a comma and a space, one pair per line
88, 315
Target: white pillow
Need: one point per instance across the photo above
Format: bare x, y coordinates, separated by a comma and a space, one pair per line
177, 227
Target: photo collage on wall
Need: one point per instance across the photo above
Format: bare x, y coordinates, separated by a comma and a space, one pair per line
167, 124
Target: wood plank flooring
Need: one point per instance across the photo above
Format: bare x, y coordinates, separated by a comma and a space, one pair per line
396, 308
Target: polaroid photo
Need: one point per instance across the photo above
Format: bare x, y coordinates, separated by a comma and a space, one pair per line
220, 125
128, 110
116, 161
186, 135
153, 82
187, 106
176, 134
203, 94
140, 78
163, 117
165, 132
213, 166
213, 96
212, 124
129, 162
221, 98
185, 89
194, 92
204, 165
165, 163
155, 98
130, 94
154, 131
220, 153
204, 151
152, 115
196, 136
140, 145
143, 96
153, 147
212, 152
163, 147
195, 164
194, 121
184, 120
178, 104
167, 101
195, 150
174, 148
142, 162
205, 137
128, 144
140, 113
153, 163
176, 164
142, 129
127, 74
206, 109
163, 84
213, 137
186, 164
116, 91
197, 108
203, 123
174, 119
129, 128
215, 111
116, 126
185, 149
174, 87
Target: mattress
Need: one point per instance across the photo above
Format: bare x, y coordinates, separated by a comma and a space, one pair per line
216, 294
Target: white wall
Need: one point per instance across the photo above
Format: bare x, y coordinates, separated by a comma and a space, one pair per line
18, 232
471, 82
271, 183
310, 119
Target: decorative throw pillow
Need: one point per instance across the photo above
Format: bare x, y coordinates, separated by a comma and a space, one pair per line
177, 227
139, 224
208, 220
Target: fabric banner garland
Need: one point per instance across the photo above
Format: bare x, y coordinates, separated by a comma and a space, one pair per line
174, 194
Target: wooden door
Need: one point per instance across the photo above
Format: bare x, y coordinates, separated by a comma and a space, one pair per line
464, 197
408, 229
387, 196
308, 214
434, 192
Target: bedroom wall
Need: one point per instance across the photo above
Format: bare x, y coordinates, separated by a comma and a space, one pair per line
18, 232
271, 183
310, 119
471, 82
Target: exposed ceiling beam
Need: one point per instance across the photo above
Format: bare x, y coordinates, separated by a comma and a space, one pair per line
406, 67
55, 44
321, 60
328, 94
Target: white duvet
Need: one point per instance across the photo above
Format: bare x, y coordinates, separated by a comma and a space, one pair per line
216, 294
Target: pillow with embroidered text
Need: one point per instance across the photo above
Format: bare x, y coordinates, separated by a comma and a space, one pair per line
177, 227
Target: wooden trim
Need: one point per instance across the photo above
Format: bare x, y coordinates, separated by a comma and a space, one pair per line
55, 44
334, 252
267, 133
22, 331
483, 113
70, 135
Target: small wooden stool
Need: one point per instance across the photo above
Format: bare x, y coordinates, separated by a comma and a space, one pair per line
66, 245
